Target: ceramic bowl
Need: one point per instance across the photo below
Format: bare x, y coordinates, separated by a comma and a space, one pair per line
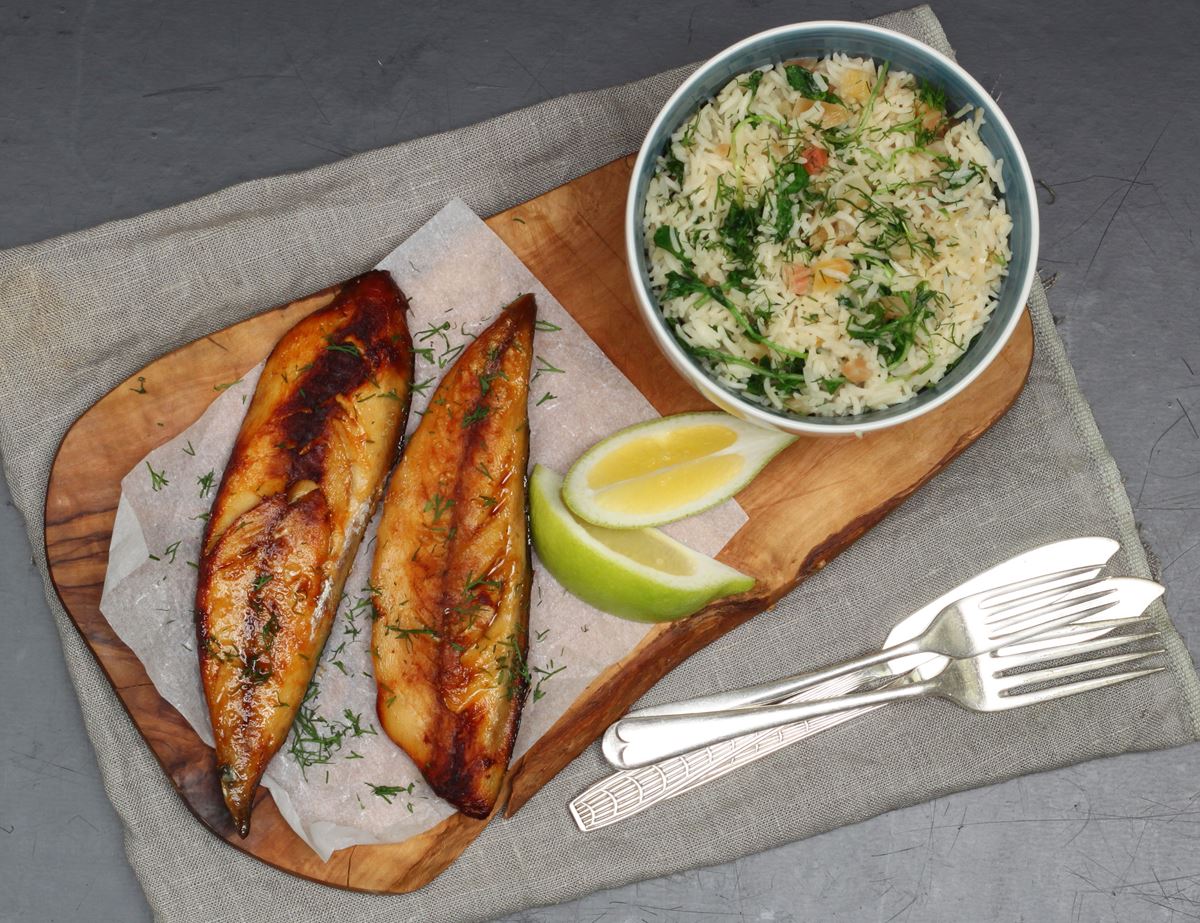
813, 40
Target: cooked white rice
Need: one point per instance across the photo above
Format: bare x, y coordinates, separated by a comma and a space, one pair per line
840, 292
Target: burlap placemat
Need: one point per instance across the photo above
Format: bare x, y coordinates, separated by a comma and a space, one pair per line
80, 313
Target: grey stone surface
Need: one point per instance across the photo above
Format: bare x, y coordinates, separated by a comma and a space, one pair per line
110, 109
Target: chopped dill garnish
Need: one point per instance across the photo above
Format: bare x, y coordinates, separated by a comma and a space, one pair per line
450, 355
206, 483
437, 504
158, 479
360, 605
316, 739
893, 332
345, 346
408, 633
545, 367
432, 331
673, 165
473, 583
543, 674
485, 380
388, 792
256, 671
931, 95
480, 411
269, 630
512, 672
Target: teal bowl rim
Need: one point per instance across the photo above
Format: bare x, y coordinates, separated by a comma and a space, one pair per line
979, 355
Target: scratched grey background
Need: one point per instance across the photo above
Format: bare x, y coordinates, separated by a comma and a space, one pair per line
110, 109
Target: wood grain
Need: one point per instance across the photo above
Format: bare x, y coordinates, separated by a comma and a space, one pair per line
808, 505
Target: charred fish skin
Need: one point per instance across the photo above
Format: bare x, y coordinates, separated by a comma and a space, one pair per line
302, 481
453, 572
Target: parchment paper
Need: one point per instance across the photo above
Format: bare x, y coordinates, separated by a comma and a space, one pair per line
457, 274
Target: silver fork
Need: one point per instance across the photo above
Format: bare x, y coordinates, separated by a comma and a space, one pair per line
627, 792
969, 626
982, 683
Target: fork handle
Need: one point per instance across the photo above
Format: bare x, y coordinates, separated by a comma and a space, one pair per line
634, 742
777, 689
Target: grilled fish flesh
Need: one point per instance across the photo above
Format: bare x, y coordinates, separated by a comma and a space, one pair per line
452, 572
301, 484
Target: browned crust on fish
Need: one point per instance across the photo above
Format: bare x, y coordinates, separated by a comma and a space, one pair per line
453, 574
302, 481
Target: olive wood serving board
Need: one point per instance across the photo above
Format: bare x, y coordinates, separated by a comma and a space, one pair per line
809, 504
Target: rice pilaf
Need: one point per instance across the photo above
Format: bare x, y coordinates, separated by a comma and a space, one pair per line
825, 238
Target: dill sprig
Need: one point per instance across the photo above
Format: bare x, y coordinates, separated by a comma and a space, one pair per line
480, 411
512, 672
158, 479
316, 739
409, 633
543, 674
343, 346
438, 505
546, 367
388, 792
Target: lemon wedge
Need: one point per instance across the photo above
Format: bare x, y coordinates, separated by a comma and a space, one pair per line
657, 472
638, 574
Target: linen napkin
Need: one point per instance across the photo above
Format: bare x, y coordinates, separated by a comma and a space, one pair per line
80, 313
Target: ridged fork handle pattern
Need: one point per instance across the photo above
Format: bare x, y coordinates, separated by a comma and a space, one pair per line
630, 791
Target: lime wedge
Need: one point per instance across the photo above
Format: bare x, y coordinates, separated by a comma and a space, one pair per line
638, 574
657, 472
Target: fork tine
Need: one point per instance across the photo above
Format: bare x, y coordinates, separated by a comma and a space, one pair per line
1059, 596
1024, 659
1055, 608
1080, 627
1064, 635
1045, 597
1005, 595
1071, 669
1035, 626
1061, 692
